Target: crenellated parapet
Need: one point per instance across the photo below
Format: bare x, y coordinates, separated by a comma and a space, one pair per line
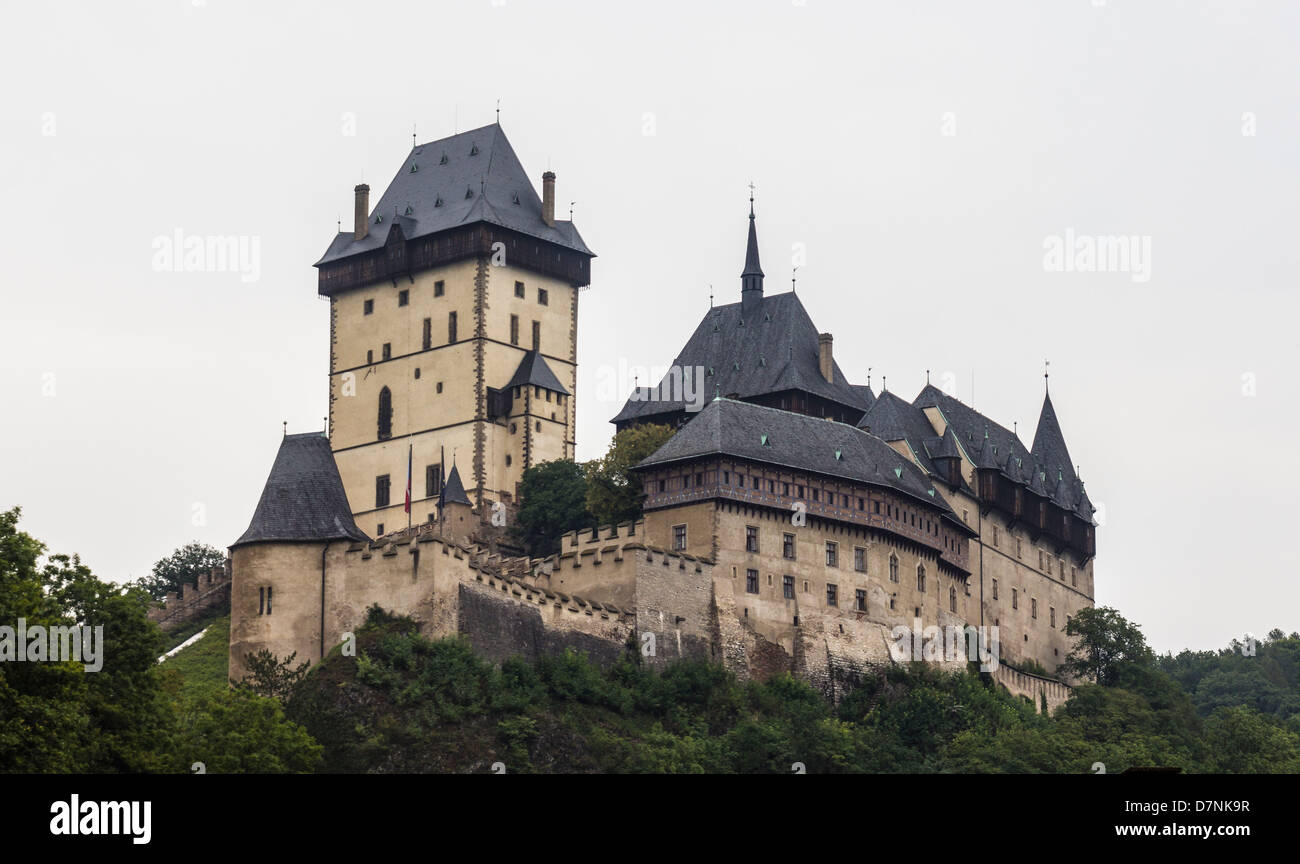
209, 593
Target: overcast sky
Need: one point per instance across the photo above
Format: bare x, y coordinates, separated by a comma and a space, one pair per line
924, 155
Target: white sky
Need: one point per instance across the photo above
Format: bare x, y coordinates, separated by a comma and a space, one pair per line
133, 397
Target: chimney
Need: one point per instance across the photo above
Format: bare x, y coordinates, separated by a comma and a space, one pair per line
824, 360
361, 215
548, 198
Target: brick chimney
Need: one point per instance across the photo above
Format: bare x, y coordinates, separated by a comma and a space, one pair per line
824, 361
548, 198
361, 214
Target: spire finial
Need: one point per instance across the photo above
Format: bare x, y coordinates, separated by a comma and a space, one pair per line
868, 376
498, 112
751, 199
412, 136
884, 383
286, 428
793, 275
710, 295
571, 203
927, 377
1046, 370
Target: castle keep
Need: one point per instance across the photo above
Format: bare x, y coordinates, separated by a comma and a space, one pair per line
790, 523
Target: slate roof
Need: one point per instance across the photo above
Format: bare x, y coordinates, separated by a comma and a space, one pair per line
734, 428
533, 370
893, 419
970, 427
303, 499
774, 349
470, 177
454, 491
1049, 445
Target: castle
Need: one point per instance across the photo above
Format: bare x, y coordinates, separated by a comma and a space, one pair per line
790, 524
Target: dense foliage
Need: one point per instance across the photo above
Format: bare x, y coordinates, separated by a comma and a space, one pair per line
614, 495
554, 496
180, 568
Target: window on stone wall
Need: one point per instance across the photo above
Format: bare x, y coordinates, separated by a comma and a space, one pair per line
893, 567
387, 352
261, 601
1051, 616
787, 546
860, 600
751, 538
751, 581
369, 306
439, 288
381, 490
1074, 577
432, 480
385, 413
1033, 608
995, 589
995, 536
519, 289
1060, 568
1018, 555
537, 336
379, 530
514, 329
832, 594
268, 599
679, 537
1040, 559
920, 578
787, 587
859, 559
543, 297
1015, 598
427, 338
404, 297
832, 554
952, 599
451, 327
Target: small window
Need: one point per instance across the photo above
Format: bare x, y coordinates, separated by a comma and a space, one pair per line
514, 329
427, 340
893, 568
379, 530
404, 297
995, 537
787, 587
1033, 608
832, 554
751, 581
832, 594
679, 537
542, 297
438, 387
859, 559
995, 589
370, 356
1015, 598
369, 306
439, 288
381, 490
952, 599
787, 547
860, 600
1074, 578
387, 351
519, 289
751, 538
451, 326
1051, 615
537, 336
920, 578
432, 480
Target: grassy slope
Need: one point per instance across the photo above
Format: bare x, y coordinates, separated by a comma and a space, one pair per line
205, 665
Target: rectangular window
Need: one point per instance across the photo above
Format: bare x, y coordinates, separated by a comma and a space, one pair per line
519, 289
1051, 614
514, 329
751, 581
787, 546
381, 490
1040, 559
679, 537
832, 594
369, 306
261, 601
995, 536
387, 352
542, 297
787, 587
403, 297
860, 600
1015, 598
751, 538
432, 480
832, 554
379, 530
370, 356
427, 340
451, 326
439, 288
268, 599
537, 336
1033, 607
1074, 578
995, 589
1018, 555
859, 559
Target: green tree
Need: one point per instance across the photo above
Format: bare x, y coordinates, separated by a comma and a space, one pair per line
1107, 646
1242, 741
269, 676
180, 568
614, 496
553, 500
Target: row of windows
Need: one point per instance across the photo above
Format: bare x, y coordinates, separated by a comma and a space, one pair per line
440, 288
1044, 560
543, 297
1033, 605
859, 595
426, 341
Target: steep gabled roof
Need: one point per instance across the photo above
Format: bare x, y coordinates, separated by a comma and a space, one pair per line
970, 426
1051, 453
454, 491
470, 177
303, 499
773, 349
533, 370
784, 438
894, 419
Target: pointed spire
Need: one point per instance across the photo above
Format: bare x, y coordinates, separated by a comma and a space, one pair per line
751, 280
1049, 449
454, 492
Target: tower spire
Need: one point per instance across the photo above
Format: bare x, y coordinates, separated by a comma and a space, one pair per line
751, 280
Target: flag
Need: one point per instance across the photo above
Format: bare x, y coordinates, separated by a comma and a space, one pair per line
408, 478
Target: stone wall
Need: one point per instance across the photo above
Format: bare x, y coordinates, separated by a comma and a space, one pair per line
209, 595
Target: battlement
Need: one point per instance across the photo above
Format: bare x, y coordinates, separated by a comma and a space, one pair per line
209, 593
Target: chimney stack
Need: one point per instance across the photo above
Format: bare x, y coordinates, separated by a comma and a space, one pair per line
361, 215
548, 198
824, 360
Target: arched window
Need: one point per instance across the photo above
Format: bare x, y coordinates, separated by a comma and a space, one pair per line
385, 414
893, 568
952, 599
920, 578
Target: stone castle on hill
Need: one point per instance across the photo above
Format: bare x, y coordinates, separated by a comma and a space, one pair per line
790, 523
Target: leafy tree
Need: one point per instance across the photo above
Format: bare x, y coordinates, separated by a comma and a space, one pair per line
180, 568
614, 496
553, 501
1242, 741
241, 732
1107, 646
269, 676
